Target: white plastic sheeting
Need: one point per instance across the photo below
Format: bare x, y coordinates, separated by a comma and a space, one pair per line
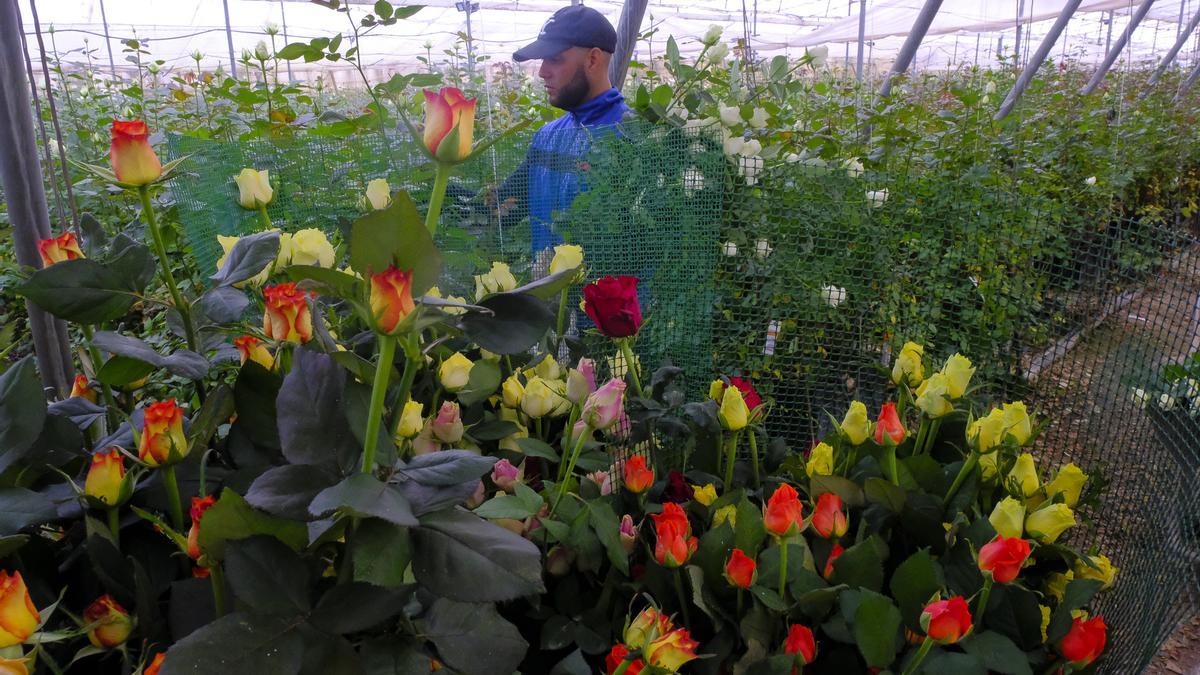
965, 31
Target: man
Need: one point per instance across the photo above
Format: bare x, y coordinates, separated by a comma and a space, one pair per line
575, 47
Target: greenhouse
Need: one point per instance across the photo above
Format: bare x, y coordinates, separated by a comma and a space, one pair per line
568, 337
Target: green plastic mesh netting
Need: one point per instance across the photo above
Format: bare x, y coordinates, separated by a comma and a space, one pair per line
806, 279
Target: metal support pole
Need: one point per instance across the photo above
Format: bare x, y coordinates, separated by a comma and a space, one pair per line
1187, 84
283, 16
1112, 54
112, 64
467, 8
1108, 34
862, 31
1036, 60
21, 180
1017, 42
229, 41
1170, 56
909, 48
628, 30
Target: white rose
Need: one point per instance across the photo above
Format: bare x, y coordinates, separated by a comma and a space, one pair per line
762, 248
730, 115
1091, 180
718, 53
876, 198
733, 145
759, 119
1166, 402
1140, 397
730, 249
833, 295
819, 55
751, 148
854, 167
712, 36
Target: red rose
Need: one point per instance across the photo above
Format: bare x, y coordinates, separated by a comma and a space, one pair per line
616, 656
740, 569
889, 423
829, 520
677, 490
674, 543
947, 621
834, 553
1084, 642
612, 303
749, 395
800, 642
636, 475
1002, 558
785, 514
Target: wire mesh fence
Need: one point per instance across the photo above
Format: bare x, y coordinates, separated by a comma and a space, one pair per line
806, 277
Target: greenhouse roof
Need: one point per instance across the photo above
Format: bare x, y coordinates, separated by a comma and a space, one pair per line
964, 32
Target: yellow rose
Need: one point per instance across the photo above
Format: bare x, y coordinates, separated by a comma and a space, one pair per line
1024, 474
435, 292
539, 399
562, 404
511, 391
566, 257
909, 366
705, 494
284, 257
254, 189
958, 371
618, 369
733, 414
988, 431
1008, 517
1016, 421
498, 280
1103, 571
310, 247
727, 513
1069, 481
227, 244
932, 396
455, 372
411, 420
716, 389
987, 466
1056, 584
379, 194
856, 425
548, 369
820, 461
1049, 522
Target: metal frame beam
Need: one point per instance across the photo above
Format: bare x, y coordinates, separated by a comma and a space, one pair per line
1036, 60
628, 30
229, 41
1187, 84
909, 49
1111, 57
862, 31
1179, 43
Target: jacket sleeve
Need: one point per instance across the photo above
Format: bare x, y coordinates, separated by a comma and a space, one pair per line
511, 201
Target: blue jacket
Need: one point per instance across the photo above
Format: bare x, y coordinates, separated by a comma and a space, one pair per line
548, 180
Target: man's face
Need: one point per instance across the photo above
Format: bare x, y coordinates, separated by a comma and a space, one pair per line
565, 78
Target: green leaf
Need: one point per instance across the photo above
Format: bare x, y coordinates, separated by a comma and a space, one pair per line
460, 556
393, 655
859, 566
81, 291
381, 553
120, 371
483, 381
331, 282
239, 643
913, 583
1078, 594
883, 492
525, 503
249, 256
749, 533
848, 490
1013, 611
456, 627
221, 305
608, 529
231, 519
404, 13
22, 411
218, 407
356, 606
267, 575
313, 428
535, 447
551, 286
516, 323
293, 51
182, 362
997, 653
288, 490
20, 508
365, 495
952, 663
447, 467
383, 8
396, 236
877, 629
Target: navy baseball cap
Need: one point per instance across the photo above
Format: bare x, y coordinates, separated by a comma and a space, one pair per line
574, 26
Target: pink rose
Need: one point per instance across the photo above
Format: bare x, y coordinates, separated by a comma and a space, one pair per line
505, 475
448, 426
581, 381
604, 406
628, 533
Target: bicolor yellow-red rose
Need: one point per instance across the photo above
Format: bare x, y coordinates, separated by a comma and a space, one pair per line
251, 348
18, 617
254, 188
109, 623
83, 389
105, 475
449, 124
162, 433
287, 318
59, 249
14, 666
391, 299
649, 624
133, 160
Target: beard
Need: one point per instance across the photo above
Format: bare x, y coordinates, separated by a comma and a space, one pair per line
573, 93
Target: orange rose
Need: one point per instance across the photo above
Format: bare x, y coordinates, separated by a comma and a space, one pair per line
287, 317
18, 617
446, 111
1002, 558
391, 298
152, 669
109, 623
834, 553
60, 248
947, 621
162, 430
741, 569
105, 475
800, 642
83, 389
674, 543
785, 514
829, 520
889, 423
636, 475
1084, 642
252, 349
133, 160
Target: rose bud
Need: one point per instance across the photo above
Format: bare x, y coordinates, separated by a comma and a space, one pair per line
199, 506
566, 257
1084, 642
636, 476
649, 624
946, 621
958, 371
578, 386
1017, 422
603, 407
133, 160
104, 476
109, 623
311, 247
254, 188
733, 414
447, 427
834, 553
1049, 522
909, 366
672, 651
889, 423
1008, 517
286, 317
391, 299
603, 480
251, 348
511, 392
612, 304
59, 249
505, 476
539, 399
855, 425
83, 389
740, 570
449, 117
18, 617
378, 195
411, 419
162, 434
455, 372
628, 533
1001, 559
674, 543
829, 519
784, 515
800, 642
